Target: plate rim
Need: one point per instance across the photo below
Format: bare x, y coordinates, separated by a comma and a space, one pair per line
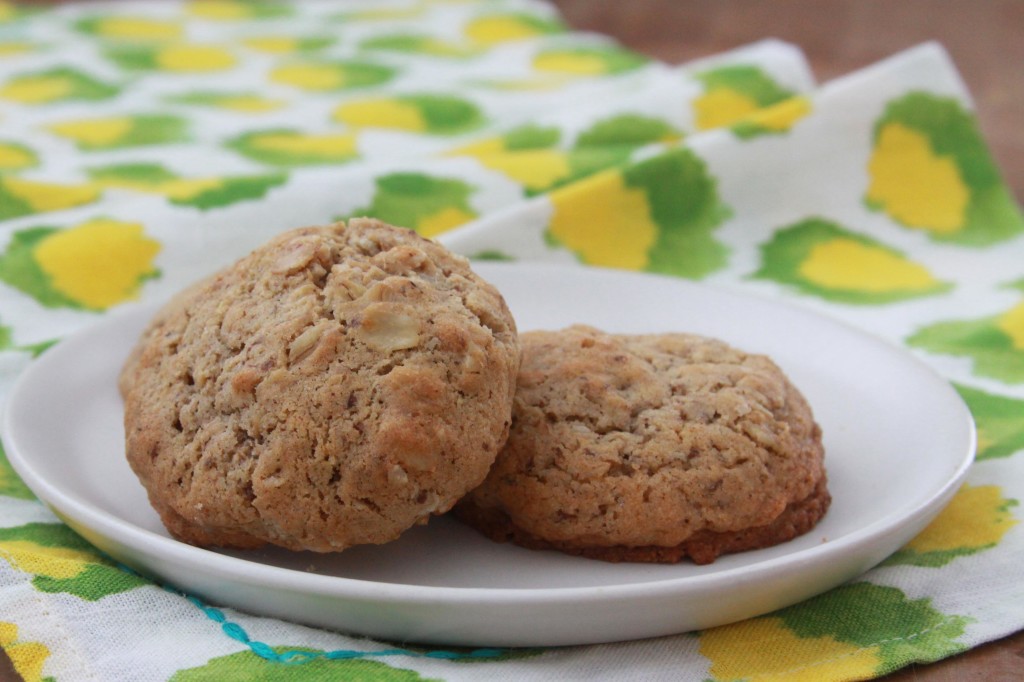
111, 526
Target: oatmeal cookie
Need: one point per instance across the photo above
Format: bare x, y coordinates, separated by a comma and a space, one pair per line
333, 388
651, 448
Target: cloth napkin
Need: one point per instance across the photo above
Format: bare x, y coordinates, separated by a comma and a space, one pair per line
143, 145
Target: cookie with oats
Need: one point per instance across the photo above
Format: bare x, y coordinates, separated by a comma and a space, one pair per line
333, 388
651, 448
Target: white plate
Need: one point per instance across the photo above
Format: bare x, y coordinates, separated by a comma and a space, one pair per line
898, 443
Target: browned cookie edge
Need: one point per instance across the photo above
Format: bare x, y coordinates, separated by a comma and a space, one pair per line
701, 548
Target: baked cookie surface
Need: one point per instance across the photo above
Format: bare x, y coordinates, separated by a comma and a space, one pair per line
335, 387
651, 448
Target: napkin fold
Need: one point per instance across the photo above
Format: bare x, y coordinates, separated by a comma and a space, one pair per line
144, 145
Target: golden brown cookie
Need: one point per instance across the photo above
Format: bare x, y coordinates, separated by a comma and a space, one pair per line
651, 448
333, 388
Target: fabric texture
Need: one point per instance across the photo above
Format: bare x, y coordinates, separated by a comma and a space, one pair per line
143, 145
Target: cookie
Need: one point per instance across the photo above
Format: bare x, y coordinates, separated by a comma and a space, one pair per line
651, 448
333, 388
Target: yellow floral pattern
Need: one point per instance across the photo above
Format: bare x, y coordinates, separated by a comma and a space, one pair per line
503, 28
844, 263
1011, 323
917, 186
28, 658
977, 517
78, 262
721, 107
16, 157
194, 58
535, 169
133, 28
976, 520
605, 222
929, 170
93, 265
381, 113
823, 258
773, 653
25, 197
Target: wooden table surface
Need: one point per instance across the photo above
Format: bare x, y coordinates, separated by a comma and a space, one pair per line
985, 40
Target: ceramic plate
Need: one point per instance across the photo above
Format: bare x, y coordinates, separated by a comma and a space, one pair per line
898, 443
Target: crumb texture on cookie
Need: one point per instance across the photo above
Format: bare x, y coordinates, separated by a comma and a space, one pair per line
333, 388
651, 448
